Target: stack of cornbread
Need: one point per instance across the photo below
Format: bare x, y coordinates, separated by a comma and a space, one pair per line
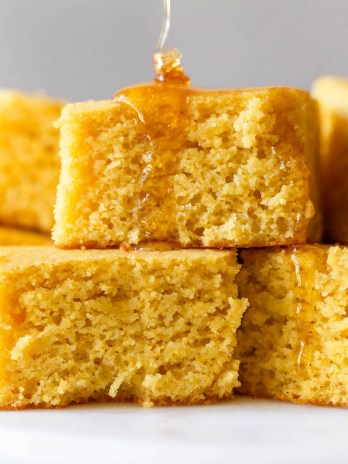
147, 297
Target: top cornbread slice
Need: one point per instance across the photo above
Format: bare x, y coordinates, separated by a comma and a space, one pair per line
215, 169
332, 95
29, 160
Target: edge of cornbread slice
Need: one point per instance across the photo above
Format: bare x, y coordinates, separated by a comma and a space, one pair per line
12, 236
157, 327
29, 161
293, 339
243, 173
332, 95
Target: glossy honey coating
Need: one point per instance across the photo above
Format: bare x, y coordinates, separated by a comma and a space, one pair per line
292, 342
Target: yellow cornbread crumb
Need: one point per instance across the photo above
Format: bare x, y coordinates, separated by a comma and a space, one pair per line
11, 236
29, 160
292, 343
236, 172
149, 326
332, 95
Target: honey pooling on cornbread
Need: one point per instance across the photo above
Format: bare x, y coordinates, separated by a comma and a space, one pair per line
106, 325
292, 342
201, 168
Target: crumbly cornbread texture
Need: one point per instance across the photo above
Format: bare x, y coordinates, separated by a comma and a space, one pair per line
332, 94
29, 159
154, 327
202, 168
11, 236
293, 341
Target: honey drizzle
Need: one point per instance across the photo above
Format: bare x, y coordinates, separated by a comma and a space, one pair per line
160, 109
168, 68
305, 317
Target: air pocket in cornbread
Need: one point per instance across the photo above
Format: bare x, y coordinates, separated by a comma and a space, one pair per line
293, 342
198, 168
29, 159
332, 94
157, 327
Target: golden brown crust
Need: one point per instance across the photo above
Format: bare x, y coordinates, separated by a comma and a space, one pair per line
291, 399
148, 401
165, 246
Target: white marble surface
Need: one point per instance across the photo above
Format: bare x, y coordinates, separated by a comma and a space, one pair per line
242, 431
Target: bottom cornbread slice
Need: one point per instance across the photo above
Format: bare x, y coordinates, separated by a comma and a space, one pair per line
293, 342
149, 326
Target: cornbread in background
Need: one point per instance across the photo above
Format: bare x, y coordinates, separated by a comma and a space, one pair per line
293, 340
12, 236
29, 159
200, 168
149, 326
332, 94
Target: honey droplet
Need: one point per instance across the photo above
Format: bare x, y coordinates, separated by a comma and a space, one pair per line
168, 68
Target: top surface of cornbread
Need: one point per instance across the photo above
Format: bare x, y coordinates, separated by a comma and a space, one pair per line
331, 91
90, 106
29, 255
29, 160
199, 168
332, 95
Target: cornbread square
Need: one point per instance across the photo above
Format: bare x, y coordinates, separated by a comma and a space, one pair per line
332, 94
97, 325
29, 159
210, 169
293, 342
11, 236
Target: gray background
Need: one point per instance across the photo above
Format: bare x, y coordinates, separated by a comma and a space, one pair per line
81, 49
